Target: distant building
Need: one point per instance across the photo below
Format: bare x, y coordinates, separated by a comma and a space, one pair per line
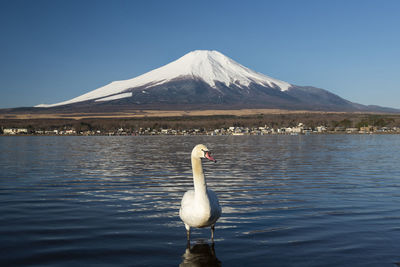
298, 129
71, 131
351, 130
287, 130
15, 131
367, 129
339, 129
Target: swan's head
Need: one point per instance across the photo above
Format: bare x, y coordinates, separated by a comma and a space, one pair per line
201, 151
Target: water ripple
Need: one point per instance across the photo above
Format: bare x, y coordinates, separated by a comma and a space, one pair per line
297, 200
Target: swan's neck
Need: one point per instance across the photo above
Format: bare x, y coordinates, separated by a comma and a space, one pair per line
200, 186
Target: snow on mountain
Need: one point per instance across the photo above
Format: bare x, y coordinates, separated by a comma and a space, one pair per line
209, 66
114, 97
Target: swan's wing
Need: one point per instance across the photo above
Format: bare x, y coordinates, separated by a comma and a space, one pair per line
214, 203
187, 198
186, 204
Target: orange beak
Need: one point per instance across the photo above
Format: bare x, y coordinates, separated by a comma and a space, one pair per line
209, 157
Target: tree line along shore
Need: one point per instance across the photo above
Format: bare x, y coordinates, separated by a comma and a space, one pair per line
219, 124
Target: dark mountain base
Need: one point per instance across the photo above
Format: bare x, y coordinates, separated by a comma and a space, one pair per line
192, 94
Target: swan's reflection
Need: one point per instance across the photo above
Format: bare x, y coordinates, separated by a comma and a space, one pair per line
201, 254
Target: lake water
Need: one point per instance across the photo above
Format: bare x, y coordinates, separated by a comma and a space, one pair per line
318, 200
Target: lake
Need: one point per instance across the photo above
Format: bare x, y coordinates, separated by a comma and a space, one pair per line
317, 200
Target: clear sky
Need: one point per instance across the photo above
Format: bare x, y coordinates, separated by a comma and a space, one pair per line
51, 51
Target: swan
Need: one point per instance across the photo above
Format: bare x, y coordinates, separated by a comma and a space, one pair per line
199, 207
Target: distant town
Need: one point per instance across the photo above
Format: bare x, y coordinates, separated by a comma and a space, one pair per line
301, 128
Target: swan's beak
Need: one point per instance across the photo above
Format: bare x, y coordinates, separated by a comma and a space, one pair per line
207, 154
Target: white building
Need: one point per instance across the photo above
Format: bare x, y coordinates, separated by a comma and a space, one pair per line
15, 131
298, 129
321, 129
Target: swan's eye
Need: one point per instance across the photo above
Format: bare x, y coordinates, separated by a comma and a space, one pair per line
205, 152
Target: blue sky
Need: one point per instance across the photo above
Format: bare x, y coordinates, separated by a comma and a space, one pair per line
51, 51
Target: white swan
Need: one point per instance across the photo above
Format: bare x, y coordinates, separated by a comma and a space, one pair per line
200, 207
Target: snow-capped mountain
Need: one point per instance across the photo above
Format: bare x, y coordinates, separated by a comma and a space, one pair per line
205, 79
209, 66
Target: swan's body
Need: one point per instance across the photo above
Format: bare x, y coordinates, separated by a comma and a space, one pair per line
199, 207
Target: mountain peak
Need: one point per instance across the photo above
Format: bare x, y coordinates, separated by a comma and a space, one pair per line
201, 52
204, 55
212, 66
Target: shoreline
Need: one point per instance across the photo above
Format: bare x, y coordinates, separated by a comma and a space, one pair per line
198, 123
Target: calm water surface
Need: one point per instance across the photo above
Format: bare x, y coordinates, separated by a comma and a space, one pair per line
319, 200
